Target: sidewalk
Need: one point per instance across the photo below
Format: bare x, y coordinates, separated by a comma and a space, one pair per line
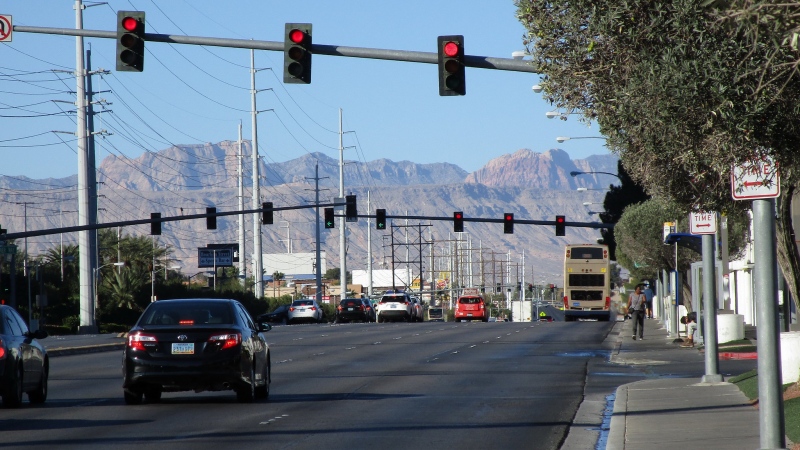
668, 412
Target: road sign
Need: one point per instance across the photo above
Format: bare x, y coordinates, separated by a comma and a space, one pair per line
703, 222
669, 227
755, 180
9, 249
206, 257
5, 28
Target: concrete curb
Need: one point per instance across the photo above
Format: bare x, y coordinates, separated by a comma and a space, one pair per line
616, 435
63, 351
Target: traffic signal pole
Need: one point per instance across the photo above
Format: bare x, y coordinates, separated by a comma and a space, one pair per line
480, 62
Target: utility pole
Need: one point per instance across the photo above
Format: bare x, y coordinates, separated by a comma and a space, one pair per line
342, 221
369, 250
240, 182
318, 263
258, 275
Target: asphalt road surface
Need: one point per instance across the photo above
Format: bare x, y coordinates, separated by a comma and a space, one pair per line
349, 386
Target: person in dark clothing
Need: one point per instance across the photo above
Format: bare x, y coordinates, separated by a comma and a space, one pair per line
690, 320
636, 307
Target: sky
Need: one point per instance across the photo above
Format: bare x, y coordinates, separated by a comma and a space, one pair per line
190, 94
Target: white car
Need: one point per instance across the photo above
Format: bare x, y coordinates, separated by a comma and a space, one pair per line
396, 306
305, 310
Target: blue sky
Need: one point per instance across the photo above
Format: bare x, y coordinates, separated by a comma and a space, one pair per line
190, 94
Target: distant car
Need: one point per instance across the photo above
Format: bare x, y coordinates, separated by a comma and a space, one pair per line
492, 319
471, 307
24, 366
354, 309
196, 345
395, 306
419, 310
278, 315
304, 310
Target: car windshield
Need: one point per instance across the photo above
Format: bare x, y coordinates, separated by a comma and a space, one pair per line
469, 300
188, 313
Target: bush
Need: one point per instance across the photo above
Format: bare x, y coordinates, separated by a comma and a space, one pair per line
113, 328
72, 323
57, 330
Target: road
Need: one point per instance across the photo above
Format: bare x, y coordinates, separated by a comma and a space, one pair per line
425, 385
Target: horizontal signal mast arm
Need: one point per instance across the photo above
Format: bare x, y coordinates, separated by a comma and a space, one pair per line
481, 62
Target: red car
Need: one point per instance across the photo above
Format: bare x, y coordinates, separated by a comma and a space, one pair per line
471, 307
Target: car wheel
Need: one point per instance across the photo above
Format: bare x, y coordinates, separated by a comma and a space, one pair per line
262, 392
133, 396
13, 396
40, 394
283, 321
153, 394
246, 392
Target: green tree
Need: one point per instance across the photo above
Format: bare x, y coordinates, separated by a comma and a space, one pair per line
680, 94
616, 200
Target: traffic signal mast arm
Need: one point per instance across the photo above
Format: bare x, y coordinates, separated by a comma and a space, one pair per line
480, 62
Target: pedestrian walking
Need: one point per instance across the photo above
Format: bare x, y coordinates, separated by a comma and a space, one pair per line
636, 308
648, 298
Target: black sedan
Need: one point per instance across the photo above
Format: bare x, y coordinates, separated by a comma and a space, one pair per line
279, 315
23, 361
354, 309
196, 345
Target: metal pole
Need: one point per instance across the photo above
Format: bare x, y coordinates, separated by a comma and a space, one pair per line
258, 276
318, 262
710, 312
770, 398
369, 250
242, 259
342, 222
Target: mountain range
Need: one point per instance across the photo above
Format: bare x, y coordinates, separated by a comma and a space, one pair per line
184, 179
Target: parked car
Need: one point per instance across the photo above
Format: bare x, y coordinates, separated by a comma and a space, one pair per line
304, 310
395, 306
471, 307
24, 366
278, 315
196, 345
354, 309
419, 310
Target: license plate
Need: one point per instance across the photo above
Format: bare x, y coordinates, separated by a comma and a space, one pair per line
183, 349
394, 306
469, 314
576, 303
350, 309
301, 309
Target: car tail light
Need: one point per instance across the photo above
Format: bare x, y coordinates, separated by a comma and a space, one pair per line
566, 302
482, 306
2, 350
226, 340
186, 322
136, 341
291, 309
339, 307
313, 308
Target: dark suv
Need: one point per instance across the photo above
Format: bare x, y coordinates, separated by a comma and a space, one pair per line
354, 309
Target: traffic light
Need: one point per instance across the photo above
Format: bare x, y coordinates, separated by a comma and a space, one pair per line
451, 65
458, 222
329, 218
211, 221
130, 41
380, 219
155, 226
560, 226
350, 209
297, 53
266, 213
508, 223
2, 231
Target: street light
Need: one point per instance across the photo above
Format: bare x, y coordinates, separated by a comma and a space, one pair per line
562, 139
95, 273
575, 173
537, 88
582, 189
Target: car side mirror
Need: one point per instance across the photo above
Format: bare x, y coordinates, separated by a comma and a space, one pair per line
264, 327
38, 334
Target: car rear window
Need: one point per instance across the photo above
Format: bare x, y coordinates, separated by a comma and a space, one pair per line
470, 300
351, 302
188, 313
303, 303
393, 298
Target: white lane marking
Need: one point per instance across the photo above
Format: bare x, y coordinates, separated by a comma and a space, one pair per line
472, 346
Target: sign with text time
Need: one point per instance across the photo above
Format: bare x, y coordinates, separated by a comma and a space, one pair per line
703, 222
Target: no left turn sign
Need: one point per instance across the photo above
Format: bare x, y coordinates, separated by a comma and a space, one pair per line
5, 28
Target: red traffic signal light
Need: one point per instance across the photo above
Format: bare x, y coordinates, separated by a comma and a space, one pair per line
560, 226
130, 41
297, 53
452, 74
508, 223
458, 222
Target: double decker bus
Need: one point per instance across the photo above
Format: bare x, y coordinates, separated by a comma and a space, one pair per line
587, 282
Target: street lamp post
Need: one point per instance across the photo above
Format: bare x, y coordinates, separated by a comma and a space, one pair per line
562, 139
95, 274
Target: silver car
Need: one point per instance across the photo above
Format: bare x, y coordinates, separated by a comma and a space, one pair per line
304, 310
